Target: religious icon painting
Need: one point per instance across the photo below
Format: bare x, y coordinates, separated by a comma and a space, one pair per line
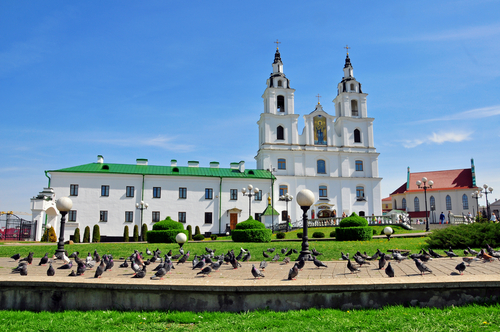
319, 130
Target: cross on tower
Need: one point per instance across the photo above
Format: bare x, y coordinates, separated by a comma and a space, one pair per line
347, 48
318, 96
277, 44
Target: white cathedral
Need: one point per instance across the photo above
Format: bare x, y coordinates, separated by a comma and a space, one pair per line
334, 157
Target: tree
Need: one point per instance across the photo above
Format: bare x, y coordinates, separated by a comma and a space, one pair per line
125, 234
197, 230
144, 232
190, 230
52, 235
96, 234
76, 236
136, 233
86, 235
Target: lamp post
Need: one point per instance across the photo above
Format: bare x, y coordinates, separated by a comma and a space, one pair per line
287, 198
250, 195
63, 204
141, 206
425, 187
477, 195
305, 198
487, 190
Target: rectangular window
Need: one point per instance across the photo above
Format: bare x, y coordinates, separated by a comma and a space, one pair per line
156, 192
209, 192
129, 216
182, 217
359, 165
284, 215
73, 190
183, 192
130, 191
72, 215
156, 216
257, 216
103, 216
281, 163
360, 193
258, 196
208, 217
283, 189
234, 194
104, 190
323, 191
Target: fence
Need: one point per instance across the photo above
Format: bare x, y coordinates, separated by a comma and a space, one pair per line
334, 222
13, 228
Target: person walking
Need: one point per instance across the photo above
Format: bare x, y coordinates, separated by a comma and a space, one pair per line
493, 218
441, 218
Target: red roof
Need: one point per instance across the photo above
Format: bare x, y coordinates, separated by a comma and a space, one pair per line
387, 199
400, 190
444, 180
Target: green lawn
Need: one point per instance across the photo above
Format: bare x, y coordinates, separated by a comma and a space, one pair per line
396, 318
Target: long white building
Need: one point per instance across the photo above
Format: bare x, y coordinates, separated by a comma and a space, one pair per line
334, 156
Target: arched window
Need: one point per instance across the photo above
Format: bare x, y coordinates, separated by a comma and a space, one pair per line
280, 83
352, 87
321, 167
281, 103
416, 202
448, 202
433, 203
283, 189
359, 165
360, 193
403, 204
395, 205
281, 163
357, 136
354, 108
465, 202
361, 213
280, 133
323, 191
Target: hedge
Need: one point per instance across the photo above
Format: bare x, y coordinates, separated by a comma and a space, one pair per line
318, 235
299, 235
76, 236
165, 231
475, 235
190, 230
136, 233
144, 232
332, 233
251, 230
280, 235
168, 224
86, 235
96, 234
353, 221
353, 233
250, 223
126, 234
198, 237
197, 230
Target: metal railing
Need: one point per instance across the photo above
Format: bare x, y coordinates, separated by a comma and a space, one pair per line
13, 228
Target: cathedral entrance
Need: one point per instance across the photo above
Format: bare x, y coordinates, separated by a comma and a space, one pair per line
233, 220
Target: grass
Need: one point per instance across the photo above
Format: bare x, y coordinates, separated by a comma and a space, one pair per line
394, 318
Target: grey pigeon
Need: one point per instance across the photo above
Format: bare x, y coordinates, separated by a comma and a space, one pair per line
315, 252
66, 266
276, 258
460, 268
351, 267
80, 270
28, 259
16, 256
24, 270
148, 252
72, 274
205, 271
450, 254
344, 257
124, 264
50, 271
286, 260
216, 265
318, 263
300, 264
256, 273
140, 274
422, 267
19, 267
284, 250
246, 257
265, 254
471, 251
200, 264
389, 270
469, 260
240, 255
293, 273
360, 260
271, 250
99, 270
295, 251
382, 261
44, 259
263, 265
159, 274
184, 258
289, 252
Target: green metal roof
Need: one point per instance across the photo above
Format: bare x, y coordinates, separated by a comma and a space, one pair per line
106, 168
269, 211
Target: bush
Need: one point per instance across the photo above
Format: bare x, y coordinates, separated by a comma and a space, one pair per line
318, 235
144, 232
136, 233
190, 230
375, 232
86, 235
52, 235
299, 235
251, 230
213, 237
332, 233
475, 235
354, 233
126, 234
280, 235
96, 234
198, 237
197, 231
76, 236
165, 231
353, 221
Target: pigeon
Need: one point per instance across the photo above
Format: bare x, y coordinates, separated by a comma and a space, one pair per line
315, 252
24, 270
183, 259
263, 265
175, 257
246, 257
351, 267
72, 274
265, 254
44, 259
109, 263
289, 252
471, 251
240, 255
140, 274
200, 264
466, 253
389, 270
99, 270
271, 250
256, 273
293, 273
295, 251
209, 250
276, 258
284, 250
382, 261
159, 274
360, 260
80, 270
168, 267
397, 256
375, 256
205, 271
421, 266
469, 260
148, 252
234, 262
460, 268
74, 254
434, 254
66, 266
19, 267
181, 251
344, 257
450, 254
485, 256
50, 271
28, 258
124, 264
16, 256
216, 265
97, 257
286, 260
425, 258
318, 263
195, 260
300, 264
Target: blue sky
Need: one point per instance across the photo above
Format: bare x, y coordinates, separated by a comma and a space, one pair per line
169, 80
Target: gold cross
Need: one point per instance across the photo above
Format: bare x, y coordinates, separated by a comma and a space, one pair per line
277, 44
318, 96
347, 48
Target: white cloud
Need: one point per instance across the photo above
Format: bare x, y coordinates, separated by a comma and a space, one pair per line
477, 113
438, 139
160, 141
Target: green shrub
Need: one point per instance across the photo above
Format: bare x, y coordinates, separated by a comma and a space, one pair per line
318, 235
165, 231
96, 234
52, 235
190, 230
144, 232
198, 237
251, 230
354, 233
353, 221
213, 237
475, 235
299, 235
76, 235
197, 230
136, 233
375, 232
280, 235
86, 235
168, 224
250, 223
126, 234
332, 233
